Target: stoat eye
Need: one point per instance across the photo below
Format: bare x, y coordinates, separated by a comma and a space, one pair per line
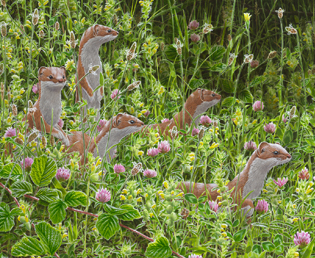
50, 77
275, 152
213, 95
109, 31
131, 121
63, 77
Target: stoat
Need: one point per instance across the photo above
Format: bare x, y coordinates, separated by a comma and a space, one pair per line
251, 179
51, 82
196, 104
90, 44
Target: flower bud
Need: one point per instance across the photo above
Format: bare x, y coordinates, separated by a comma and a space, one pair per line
3, 29
57, 26
131, 52
72, 40
35, 17
272, 54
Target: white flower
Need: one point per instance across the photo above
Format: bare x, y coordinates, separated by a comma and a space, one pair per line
248, 58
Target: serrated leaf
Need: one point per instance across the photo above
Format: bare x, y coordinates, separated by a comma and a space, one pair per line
57, 211
49, 236
268, 246
47, 194
20, 188
229, 101
113, 210
43, 170
131, 213
196, 83
190, 197
75, 198
246, 96
219, 67
239, 236
159, 248
13, 168
107, 225
257, 80
28, 246
7, 217
227, 85
171, 52
216, 53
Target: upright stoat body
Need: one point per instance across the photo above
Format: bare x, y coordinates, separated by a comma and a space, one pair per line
90, 44
114, 130
252, 178
51, 82
196, 104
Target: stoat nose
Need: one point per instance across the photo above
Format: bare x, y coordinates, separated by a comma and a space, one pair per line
60, 80
289, 156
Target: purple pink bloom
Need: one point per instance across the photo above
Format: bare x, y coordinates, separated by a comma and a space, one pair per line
213, 206
35, 89
103, 195
304, 174
281, 182
153, 152
101, 124
270, 128
205, 120
147, 113
195, 37
63, 174
302, 239
164, 147
262, 206
258, 106
193, 25
10, 132
284, 119
195, 132
149, 173
115, 93
254, 63
195, 256
60, 122
28, 163
165, 120
250, 145
118, 168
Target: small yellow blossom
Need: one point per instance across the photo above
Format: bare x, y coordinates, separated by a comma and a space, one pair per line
247, 17
162, 195
94, 228
139, 199
19, 218
223, 226
129, 197
165, 184
140, 153
296, 254
265, 191
22, 207
160, 191
146, 195
26, 219
214, 145
297, 190
192, 154
172, 192
153, 206
224, 234
279, 201
151, 214
219, 198
139, 191
64, 235
295, 220
124, 191
201, 143
122, 197
141, 105
309, 190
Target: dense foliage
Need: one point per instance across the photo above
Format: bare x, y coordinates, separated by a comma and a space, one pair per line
50, 206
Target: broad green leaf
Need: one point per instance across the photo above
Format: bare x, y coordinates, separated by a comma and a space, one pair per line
113, 210
257, 80
107, 225
43, 170
75, 198
227, 85
7, 217
196, 83
309, 250
170, 52
131, 213
239, 236
14, 169
268, 246
257, 249
246, 96
229, 101
57, 211
159, 248
28, 246
216, 53
20, 188
236, 223
202, 199
219, 67
287, 137
49, 236
190, 197
47, 194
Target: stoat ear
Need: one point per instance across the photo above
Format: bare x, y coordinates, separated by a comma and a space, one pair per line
41, 70
278, 143
117, 119
261, 147
96, 29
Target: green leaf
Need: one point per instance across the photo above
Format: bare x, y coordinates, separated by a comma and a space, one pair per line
159, 248
268, 246
13, 168
49, 236
43, 170
219, 67
131, 213
113, 210
227, 85
257, 80
246, 96
20, 188
7, 217
196, 83
229, 101
75, 198
202, 199
309, 250
47, 194
216, 53
28, 246
236, 223
257, 249
57, 211
239, 236
287, 137
171, 52
190, 197
107, 225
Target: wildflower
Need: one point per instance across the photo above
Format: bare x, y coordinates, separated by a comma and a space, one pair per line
134, 85
205, 120
103, 195
304, 174
281, 182
250, 145
195, 256
115, 94
302, 239
178, 46
41, 34
201, 133
280, 12
60, 123
231, 58
272, 54
137, 167
165, 184
28, 163
131, 52
140, 153
184, 213
291, 113
101, 125
153, 152
10, 132
63, 174
193, 25
118, 168
254, 63
296, 254
195, 132
57, 25
207, 28
262, 206
173, 132
64, 235
35, 88
258, 106
270, 128
72, 41
164, 147
247, 17
165, 120
194, 37
213, 206
147, 113
3, 3
35, 17
122, 197
214, 145
3, 29
248, 58
291, 30
284, 119
124, 191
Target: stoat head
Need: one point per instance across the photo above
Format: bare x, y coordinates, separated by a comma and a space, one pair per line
209, 96
273, 153
52, 77
123, 120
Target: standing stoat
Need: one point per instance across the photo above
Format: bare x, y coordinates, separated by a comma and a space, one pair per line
251, 179
51, 82
90, 44
114, 130
196, 104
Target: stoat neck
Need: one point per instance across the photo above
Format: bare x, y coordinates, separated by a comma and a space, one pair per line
50, 101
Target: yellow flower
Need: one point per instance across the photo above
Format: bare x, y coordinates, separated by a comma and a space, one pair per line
311, 184
201, 143
165, 184
139, 191
159, 192
132, 110
192, 154
296, 254
220, 203
22, 91
124, 191
94, 228
192, 158
140, 153
254, 122
151, 214
19, 218
265, 191
247, 17
224, 234
100, 173
214, 145
153, 206
191, 167
141, 105
146, 195
223, 226
279, 202
219, 191
309, 190
64, 235
139, 199
172, 192
22, 207
219, 198
162, 195
129, 197
180, 194
161, 90
295, 220
122, 197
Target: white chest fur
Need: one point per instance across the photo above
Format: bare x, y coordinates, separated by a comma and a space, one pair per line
203, 107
